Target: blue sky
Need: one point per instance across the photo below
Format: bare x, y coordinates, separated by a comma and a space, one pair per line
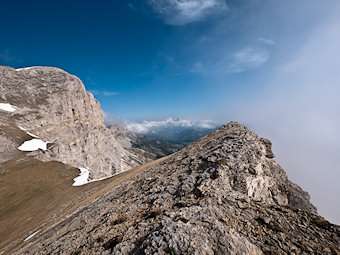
154, 59
273, 65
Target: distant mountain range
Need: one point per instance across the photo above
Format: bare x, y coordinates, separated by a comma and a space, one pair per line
182, 135
169, 140
156, 139
160, 142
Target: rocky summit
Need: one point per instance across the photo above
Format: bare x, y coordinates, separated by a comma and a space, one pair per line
223, 194
54, 105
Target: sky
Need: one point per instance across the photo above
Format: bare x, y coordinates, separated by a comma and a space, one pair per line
272, 65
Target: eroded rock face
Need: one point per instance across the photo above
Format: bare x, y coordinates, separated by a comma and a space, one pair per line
224, 194
55, 106
124, 136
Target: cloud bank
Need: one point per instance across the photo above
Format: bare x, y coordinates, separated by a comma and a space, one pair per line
147, 126
299, 112
181, 12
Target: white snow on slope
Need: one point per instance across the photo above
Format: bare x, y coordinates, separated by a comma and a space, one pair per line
103, 178
30, 236
82, 178
33, 145
7, 107
28, 132
24, 68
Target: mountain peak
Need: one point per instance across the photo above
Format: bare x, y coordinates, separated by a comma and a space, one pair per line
55, 106
223, 194
245, 159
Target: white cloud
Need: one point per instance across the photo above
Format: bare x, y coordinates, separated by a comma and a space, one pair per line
248, 58
240, 61
251, 57
103, 93
148, 126
180, 12
266, 41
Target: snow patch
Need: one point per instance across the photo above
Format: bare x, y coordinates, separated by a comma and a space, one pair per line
103, 178
24, 68
82, 178
33, 145
30, 134
7, 107
30, 236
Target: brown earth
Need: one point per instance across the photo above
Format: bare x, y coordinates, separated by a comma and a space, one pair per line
35, 195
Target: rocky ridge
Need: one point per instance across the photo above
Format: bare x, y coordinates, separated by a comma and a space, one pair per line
224, 194
55, 106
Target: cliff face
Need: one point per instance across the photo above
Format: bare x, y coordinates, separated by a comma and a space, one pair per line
55, 106
224, 194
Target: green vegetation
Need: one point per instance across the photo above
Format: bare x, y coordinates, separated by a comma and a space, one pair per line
160, 145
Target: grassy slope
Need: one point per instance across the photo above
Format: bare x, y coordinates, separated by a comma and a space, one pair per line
35, 195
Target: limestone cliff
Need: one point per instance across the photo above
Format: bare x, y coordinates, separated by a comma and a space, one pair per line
55, 106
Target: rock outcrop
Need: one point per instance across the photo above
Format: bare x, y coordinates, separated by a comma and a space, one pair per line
224, 194
55, 106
